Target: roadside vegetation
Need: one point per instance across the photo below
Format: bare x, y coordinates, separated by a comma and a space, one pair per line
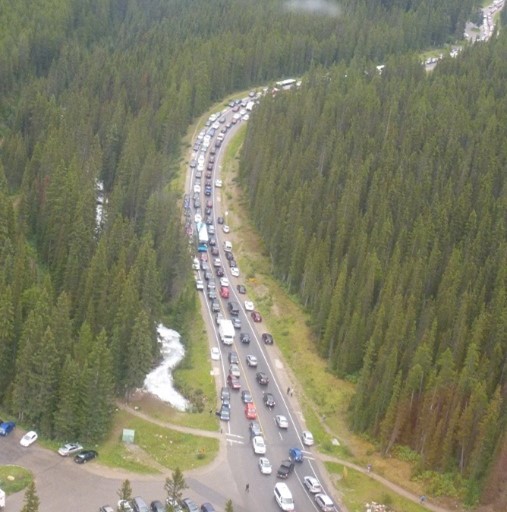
356, 487
166, 447
325, 413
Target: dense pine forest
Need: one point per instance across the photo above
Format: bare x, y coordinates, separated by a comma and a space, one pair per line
382, 199
97, 94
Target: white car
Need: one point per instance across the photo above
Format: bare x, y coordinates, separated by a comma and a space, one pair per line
307, 438
199, 284
226, 228
324, 502
265, 466
69, 449
282, 421
215, 354
197, 218
195, 264
235, 271
251, 361
249, 305
218, 183
224, 282
29, 438
197, 188
312, 484
125, 506
259, 446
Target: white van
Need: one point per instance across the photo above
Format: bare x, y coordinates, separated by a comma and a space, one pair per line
283, 496
227, 246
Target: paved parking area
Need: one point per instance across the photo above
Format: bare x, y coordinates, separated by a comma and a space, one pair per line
64, 485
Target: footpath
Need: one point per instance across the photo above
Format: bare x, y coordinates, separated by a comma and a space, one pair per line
218, 462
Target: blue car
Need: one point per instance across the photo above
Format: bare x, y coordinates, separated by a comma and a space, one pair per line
296, 455
6, 427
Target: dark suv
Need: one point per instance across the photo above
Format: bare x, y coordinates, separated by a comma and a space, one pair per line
233, 308
267, 338
269, 400
85, 456
262, 378
285, 469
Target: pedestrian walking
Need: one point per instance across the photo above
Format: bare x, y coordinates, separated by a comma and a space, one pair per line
288, 390
247, 488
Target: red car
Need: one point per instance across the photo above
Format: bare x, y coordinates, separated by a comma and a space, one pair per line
256, 316
233, 382
224, 292
250, 411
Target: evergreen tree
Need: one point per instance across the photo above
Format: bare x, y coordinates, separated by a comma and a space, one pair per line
31, 501
125, 494
174, 486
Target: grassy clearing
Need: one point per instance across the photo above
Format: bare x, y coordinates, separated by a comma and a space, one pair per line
14, 478
164, 446
353, 486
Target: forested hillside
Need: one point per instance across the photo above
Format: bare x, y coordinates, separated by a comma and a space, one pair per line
98, 93
382, 199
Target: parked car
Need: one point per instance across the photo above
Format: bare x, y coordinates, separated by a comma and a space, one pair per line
139, 505
29, 438
312, 484
269, 400
285, 469
307, 438
207, 507
235, 271
215, 353
69, 449
85, 456
157, 506
125, 506
188, 505
265, 466
267, 338
106, 508
249, 305
6, 427
262, 378
325, 503
259, 445
241, 289
256, 316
